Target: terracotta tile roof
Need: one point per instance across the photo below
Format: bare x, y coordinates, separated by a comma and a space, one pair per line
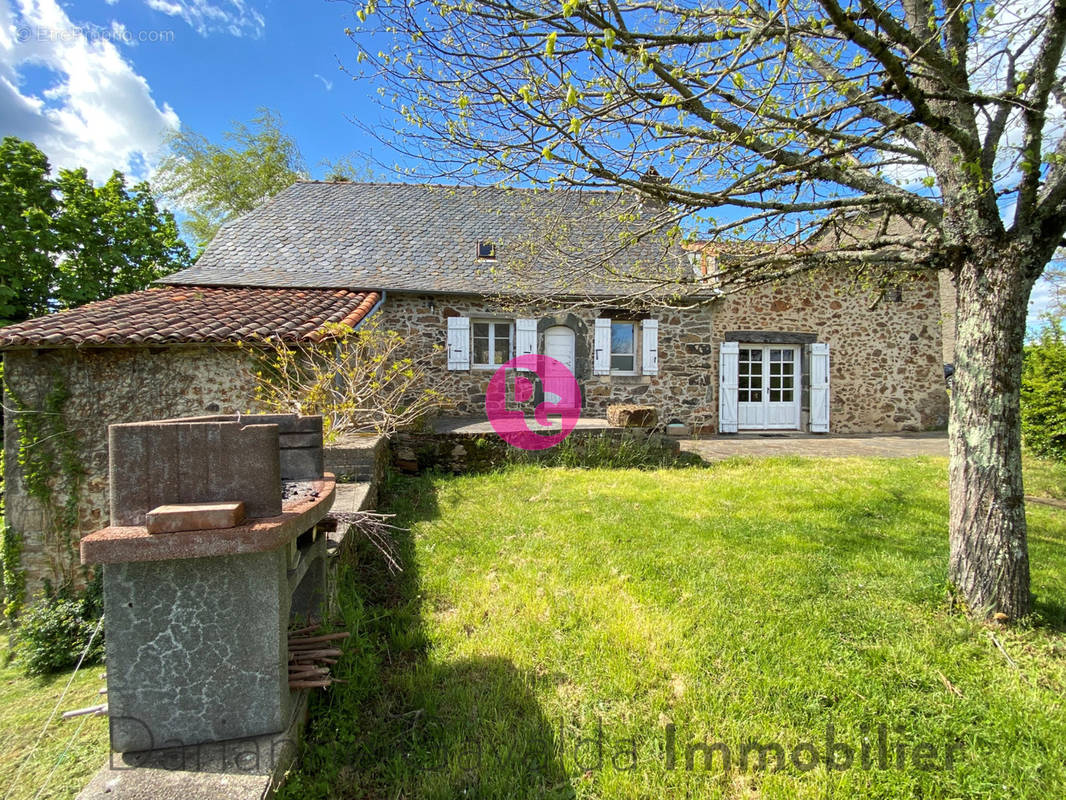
192, 314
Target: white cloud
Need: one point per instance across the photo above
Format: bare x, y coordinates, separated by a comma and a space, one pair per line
327, 84
235, 17
97, 112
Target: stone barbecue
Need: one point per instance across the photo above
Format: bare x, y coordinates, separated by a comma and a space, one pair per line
198, 620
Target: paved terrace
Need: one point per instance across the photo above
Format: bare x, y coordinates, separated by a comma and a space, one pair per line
877, 445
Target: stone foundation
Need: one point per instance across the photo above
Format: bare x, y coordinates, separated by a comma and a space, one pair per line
480, 452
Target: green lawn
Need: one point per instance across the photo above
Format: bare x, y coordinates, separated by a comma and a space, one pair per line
25, 705
1044, 478
568, 633
755, 600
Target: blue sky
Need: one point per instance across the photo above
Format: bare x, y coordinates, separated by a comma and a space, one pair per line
97, 83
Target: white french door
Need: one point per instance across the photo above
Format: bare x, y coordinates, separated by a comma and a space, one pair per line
768, 386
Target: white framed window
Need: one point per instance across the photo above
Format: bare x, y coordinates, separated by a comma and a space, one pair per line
623, 347
492, 342
616, 345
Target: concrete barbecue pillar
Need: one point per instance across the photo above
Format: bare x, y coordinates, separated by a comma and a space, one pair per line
196, 649
197, 621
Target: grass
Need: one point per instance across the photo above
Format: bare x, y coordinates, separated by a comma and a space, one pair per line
25, 705
1044, 478
761, 599
559, 633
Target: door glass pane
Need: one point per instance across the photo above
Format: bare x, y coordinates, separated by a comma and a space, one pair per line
749, 372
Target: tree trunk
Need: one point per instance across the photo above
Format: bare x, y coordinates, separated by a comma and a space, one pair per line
989, 564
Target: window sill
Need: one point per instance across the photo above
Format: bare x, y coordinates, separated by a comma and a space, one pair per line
631, 379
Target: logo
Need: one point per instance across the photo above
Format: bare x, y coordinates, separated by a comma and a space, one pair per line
511, 421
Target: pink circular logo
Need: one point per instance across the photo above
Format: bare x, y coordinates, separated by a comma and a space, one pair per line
511, 423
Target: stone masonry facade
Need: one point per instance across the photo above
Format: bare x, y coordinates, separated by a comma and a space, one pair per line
106, 386
886, 369
681, 390
885, 352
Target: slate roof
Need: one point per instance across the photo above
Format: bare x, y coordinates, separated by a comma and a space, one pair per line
418, 237
172, 315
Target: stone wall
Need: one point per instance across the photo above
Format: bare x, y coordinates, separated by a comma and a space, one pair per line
106, 385
682, 389
481, 452
885, 356
886, 369
948, 303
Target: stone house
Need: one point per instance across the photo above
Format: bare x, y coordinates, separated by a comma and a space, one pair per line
476, 276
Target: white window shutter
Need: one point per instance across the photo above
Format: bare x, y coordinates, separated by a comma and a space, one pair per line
819, 388
525, 337
728, 371
601, 358
458, 343
649, 346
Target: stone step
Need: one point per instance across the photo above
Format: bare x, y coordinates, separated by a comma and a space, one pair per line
352, 497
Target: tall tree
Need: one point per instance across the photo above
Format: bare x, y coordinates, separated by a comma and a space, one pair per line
113, 239
27, 239
64, 241
785, 116
215, 182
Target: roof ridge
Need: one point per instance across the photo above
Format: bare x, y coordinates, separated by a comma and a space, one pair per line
431, 185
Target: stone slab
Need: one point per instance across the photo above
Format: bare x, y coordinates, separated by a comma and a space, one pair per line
301, 463
819, 445
129, 543
352, 497
287, 423
194, 517
299, 439
160, 463
237, 769
631, 416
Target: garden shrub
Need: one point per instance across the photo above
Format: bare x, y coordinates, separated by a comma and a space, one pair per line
52, 634
1043, 393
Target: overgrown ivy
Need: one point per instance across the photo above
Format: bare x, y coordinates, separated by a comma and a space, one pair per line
50, 469
12, 579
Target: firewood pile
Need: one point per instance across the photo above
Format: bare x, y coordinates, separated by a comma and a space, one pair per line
310, 657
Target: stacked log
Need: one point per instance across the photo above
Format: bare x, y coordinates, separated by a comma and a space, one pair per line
310, 658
